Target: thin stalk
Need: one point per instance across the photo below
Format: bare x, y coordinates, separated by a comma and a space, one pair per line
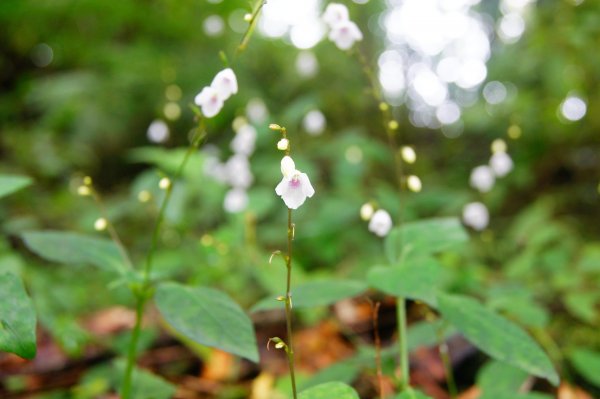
403, 342
251, 25
142, 293
443, 350
288, 304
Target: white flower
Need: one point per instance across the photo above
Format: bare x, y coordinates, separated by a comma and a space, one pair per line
210, 101
501, 164
295, 189
158, 131
225, 84
244, 140
381, 223
314, 122
335, 13
476, 215
236, 200
238, 171
482, 178
288, 167
344, 34
366, 211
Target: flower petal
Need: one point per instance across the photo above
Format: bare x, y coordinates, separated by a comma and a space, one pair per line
225, 84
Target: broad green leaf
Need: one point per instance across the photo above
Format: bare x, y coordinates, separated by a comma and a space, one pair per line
73, 248
10, 184
587, 363
208, 317
582, 305
500, 378
424, 333
329, 390
344, 371
412, 394
145, 384
424, 237
418, 279
316, 293
17, 318
496, 336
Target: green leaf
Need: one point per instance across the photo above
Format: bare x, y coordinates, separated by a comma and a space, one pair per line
424, 237
208, 317
145, 384
73, 248
17, 318
497, 378
10, 184
582, 305
417, 279
344, 371
329, 390
587, 363
496, 336
412, 394
316, 293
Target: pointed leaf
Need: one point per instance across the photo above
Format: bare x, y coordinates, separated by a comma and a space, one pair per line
73, 248
208, 317
587, 363
17, 318
496, 336
496, 378
145, 385
417, 279
329, 390
316, 293
10, 184
424, 237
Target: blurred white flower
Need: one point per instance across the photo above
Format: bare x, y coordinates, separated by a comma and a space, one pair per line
210, 101
476, 215
306, 64
482, 178
288, 167
238, 171
256, 110
380, 223
501, 164
295, 189
344, 34
366, 211
158, 131
314, 122
334, 14
225, 83
236, 200
244, 140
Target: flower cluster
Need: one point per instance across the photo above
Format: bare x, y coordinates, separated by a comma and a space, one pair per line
212, 98
483, 178
235, 172
380, 221
343, 32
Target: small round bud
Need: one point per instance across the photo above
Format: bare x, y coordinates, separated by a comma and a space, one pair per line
100, 224
144, 196
383, 106
498, 145
87, 181
366, 211
408, 154
279, 345
248, 17
414, 183
514, 132
84, 191
274, 126
164, 183
393, 125
283, 144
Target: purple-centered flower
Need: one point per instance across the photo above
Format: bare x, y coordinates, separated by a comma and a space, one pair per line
295, 186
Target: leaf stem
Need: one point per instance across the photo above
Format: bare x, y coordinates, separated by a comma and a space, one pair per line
443, 350
403, 342
288, 303
133, 346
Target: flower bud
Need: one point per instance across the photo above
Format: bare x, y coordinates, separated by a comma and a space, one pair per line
366, 211
100, 224
164, 183
274, 126
288, 167
414, 183
283, 144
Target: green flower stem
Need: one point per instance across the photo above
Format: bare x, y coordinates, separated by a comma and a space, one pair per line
288, 304
443, 350
142, 292
251, 25
403, 342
